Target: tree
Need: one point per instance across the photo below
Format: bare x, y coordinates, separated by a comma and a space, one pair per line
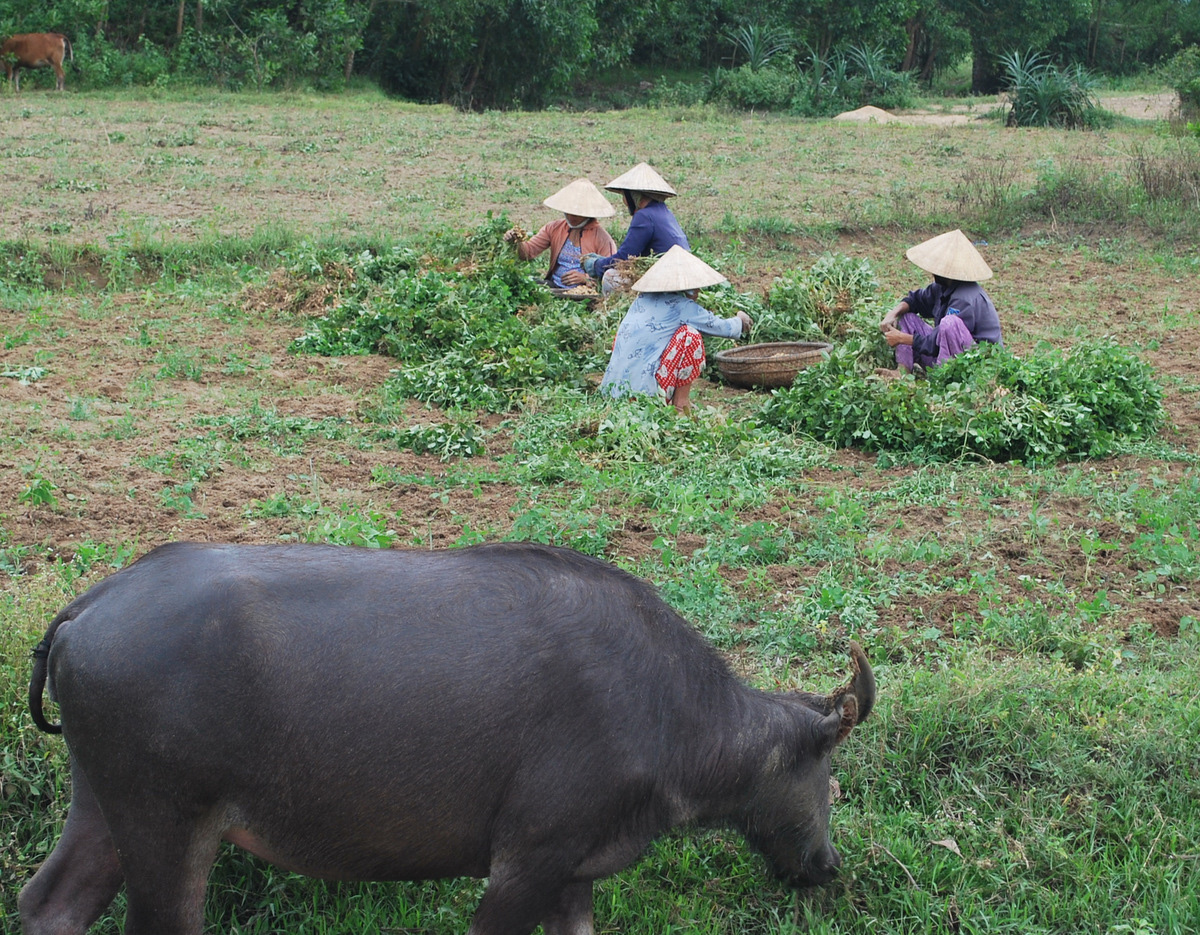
997, 27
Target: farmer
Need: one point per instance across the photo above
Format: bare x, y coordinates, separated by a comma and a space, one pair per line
962, 313
658, 347
652, 227
576, 233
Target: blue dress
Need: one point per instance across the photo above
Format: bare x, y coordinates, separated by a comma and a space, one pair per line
644, 333
568, 259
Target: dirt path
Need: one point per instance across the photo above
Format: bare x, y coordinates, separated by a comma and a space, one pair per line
1156, 106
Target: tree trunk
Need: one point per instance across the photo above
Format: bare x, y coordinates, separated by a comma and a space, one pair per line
914, 28
1094, 32
179, 20
199, 16
984, 77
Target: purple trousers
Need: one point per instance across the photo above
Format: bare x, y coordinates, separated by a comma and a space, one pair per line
952, 339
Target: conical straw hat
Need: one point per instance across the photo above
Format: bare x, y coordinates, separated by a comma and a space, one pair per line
677, 271
583, 198
641, 178
950, 255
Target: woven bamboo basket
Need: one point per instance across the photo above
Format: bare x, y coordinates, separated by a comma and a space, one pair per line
769, 365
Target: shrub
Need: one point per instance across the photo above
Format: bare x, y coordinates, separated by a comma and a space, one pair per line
1044, 95
880, 84
1170, 175
850, 79
744, 88
1182, 73
759, 43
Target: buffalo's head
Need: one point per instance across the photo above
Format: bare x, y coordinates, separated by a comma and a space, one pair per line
787, 818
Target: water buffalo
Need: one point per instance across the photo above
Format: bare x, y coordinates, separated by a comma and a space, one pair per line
513, 711
35, 50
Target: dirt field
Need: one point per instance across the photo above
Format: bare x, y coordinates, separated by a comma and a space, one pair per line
118, 395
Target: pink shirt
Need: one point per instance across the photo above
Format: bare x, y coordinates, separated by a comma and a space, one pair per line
593, 239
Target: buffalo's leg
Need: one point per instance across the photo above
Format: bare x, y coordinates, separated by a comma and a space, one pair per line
80, 878
573, 915
166, 856
518, 897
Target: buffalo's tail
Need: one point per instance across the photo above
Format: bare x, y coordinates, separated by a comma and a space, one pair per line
37, 678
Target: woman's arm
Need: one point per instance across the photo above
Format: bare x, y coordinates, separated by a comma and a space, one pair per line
700, 318
637, 238
536, 244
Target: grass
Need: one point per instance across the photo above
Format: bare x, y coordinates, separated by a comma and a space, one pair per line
1032, 765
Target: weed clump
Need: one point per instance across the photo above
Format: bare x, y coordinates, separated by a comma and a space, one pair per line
1044, 95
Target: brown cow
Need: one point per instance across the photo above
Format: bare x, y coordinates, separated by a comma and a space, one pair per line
35, 50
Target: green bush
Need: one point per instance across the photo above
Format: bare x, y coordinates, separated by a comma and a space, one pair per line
759, 43
847, 80
771, 87
1043, 95
1182, 73
880, 84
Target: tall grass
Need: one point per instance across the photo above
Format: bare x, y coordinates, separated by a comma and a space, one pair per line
984, 794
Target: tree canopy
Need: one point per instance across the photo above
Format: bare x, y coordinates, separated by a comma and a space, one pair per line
502, 53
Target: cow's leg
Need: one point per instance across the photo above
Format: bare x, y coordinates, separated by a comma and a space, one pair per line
519, 896
573, 915
81, 877
60, 79
166, 855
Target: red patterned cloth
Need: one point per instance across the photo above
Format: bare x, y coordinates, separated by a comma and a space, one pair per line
681, 361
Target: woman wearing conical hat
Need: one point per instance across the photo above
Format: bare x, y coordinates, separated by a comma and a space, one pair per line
961, 311
659, 349
652, 227
569, 238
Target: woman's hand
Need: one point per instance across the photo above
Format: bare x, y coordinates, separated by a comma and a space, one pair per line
747, 323
895, 336
588, 262
576, 277
515, 235
890, 319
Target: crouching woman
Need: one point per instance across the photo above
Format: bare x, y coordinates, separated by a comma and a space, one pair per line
659, 348
961, 312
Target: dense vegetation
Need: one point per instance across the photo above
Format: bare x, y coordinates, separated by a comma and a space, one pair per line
474, 331
501, 53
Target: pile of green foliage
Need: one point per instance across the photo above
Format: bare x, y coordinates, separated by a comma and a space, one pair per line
985, 403
471, 325
473, 329
833, 301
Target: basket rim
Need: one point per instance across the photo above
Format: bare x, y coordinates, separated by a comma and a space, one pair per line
750, 353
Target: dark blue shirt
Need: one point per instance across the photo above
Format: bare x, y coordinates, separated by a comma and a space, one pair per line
652, 230
967, 300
